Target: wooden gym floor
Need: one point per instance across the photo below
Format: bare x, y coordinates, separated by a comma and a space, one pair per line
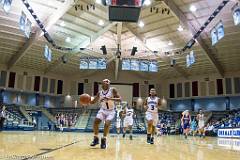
75, 146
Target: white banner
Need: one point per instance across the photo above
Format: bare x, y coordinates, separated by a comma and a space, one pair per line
229, 132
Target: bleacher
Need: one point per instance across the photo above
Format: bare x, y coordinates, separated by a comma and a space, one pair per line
91, 119
85, 118
71, 116
15, 119
138, 123
15, 110
217, 115
82, 121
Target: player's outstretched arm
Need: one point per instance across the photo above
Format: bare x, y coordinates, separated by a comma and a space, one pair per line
124, 112
116, 96
182, 120
145, 104
96, 99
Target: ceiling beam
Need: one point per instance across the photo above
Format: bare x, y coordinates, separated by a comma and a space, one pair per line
83, 44
116, 68
187, 24
119, 33
34, 36
179, 69
93, 38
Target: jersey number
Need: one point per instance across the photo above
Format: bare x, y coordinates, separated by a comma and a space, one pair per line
107, 105
152, 107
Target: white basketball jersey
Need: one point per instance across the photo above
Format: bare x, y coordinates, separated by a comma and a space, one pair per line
200, 117
129, 112
118, 110
152, 104
107, 104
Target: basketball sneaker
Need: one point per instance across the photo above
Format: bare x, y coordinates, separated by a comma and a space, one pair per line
152, 140
130, 137
103, 143
95, 141
148, 138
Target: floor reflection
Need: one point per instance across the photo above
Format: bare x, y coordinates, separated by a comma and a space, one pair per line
230, 144
165, 147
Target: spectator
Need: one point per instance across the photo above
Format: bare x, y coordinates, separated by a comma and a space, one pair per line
66, 119
231, 120
49, 126
168, 127
34, 123
2, 116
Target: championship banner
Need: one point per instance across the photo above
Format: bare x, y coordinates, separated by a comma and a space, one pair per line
229, 133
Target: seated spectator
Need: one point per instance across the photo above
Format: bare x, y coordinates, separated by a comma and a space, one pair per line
2, 116
66, 119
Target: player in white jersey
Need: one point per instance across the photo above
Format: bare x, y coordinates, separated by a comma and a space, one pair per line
118, 119
107, 97
128, 121
201, 123
151, 104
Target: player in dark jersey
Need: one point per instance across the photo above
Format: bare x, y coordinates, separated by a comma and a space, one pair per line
186, 121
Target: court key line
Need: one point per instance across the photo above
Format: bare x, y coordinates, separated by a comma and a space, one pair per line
52, 150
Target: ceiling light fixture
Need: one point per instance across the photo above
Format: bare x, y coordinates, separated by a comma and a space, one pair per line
62, 24
180, 28
104, 50
99, 1
100, 23
193, 8
147, 2
68, 39
141, 24
170, 43
64, 59
134, 50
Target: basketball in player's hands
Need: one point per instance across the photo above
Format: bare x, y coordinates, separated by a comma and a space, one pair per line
85, 99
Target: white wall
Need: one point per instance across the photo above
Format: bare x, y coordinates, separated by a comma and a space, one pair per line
31, 74
70, 82
125, 92
201, 78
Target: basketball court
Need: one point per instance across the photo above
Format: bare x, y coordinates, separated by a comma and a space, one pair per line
166, 70
47, 145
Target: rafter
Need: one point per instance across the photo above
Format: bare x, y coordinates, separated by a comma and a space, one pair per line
83, 44
34, 36
119, 33
164, 59
187, 24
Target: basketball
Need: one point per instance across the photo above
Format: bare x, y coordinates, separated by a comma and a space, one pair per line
85, 99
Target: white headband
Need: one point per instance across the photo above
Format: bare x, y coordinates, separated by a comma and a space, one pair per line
107, 81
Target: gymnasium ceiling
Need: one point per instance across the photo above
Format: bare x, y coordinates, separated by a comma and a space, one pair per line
62, 21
